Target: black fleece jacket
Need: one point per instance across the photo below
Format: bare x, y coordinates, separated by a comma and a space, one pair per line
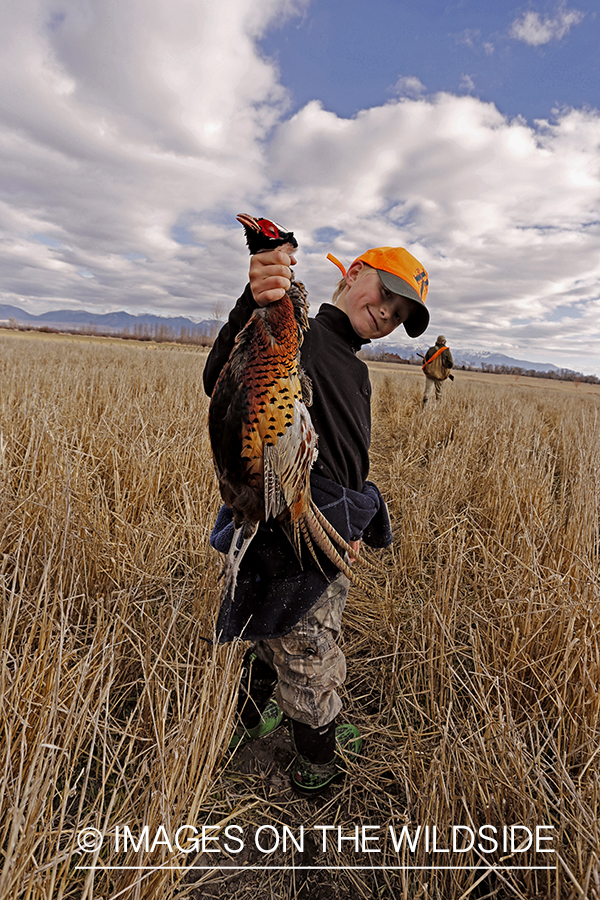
341, 408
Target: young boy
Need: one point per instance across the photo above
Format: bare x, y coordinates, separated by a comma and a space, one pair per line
292, 609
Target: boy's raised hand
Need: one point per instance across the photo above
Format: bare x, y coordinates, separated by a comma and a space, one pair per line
270, 275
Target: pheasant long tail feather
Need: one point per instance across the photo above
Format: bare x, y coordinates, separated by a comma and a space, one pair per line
301, 529
338, 539
322, 540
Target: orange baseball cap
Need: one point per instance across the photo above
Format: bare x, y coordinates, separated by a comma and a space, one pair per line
401, 273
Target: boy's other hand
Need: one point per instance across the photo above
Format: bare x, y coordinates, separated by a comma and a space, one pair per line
270, 275
356, 547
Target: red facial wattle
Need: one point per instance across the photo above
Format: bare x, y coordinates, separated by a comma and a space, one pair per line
269, 229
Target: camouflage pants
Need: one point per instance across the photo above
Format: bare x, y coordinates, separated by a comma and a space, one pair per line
309, 663
430, 384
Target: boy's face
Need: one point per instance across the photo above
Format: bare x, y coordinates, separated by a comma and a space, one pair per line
373, 310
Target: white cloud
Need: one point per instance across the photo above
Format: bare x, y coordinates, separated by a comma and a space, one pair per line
409, 86
468, 38
472, 38
466, 83
503, 215
535, 30
131, 134
117, 122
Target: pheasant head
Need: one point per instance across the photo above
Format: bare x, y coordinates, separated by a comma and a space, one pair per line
262, 234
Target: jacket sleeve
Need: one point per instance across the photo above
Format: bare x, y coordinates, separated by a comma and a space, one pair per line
447, 360
223, 345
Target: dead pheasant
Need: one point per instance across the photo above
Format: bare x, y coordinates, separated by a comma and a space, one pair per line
262, 437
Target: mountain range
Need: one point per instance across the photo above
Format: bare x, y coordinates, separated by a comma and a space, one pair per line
111, 322
464, 357
120, 322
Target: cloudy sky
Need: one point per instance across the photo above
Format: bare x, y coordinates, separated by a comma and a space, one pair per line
133, 131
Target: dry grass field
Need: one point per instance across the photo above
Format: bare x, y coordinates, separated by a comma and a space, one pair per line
474, 677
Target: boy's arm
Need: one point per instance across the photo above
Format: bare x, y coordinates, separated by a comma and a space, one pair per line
225, 339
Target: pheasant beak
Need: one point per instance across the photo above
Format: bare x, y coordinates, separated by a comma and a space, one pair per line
248, 221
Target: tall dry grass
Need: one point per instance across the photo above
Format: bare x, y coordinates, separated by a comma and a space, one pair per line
475, 678
114, 705
492, 614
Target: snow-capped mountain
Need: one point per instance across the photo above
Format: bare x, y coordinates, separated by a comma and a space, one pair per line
464, 357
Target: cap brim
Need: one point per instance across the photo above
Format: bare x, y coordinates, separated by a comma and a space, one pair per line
418, 320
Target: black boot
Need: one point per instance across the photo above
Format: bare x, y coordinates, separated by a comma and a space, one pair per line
258, 712
316, 745
317, 764
256, 688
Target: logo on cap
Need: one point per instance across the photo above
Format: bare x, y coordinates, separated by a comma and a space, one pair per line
422, 282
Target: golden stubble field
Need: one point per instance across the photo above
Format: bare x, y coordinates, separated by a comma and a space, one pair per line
474, 677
